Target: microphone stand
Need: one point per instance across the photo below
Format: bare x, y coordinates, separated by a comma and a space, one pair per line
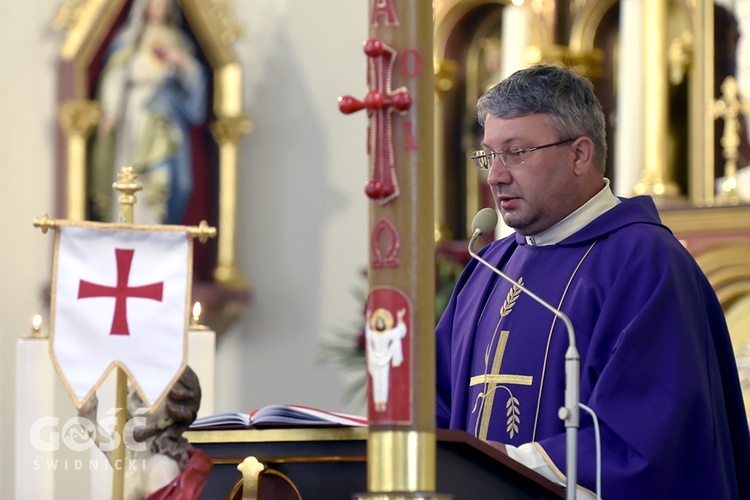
570, 413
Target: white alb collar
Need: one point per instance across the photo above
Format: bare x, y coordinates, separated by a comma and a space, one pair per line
601, 202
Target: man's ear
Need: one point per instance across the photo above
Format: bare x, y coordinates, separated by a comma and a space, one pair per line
584, 155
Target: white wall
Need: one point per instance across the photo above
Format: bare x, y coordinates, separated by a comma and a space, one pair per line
303, 212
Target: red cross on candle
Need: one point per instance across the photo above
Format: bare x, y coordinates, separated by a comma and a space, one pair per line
380, 102
121, 292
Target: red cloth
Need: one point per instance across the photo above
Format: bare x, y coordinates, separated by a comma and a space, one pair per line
189, 483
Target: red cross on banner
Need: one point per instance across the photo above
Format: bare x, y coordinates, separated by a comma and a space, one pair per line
121, 292
120, 298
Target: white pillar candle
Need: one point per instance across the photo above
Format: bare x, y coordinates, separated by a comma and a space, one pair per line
35, 409
202, 359
515, 36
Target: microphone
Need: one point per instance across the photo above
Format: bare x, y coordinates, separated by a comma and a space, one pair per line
484, 222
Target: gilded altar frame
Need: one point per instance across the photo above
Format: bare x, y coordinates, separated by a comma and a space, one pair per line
220, 285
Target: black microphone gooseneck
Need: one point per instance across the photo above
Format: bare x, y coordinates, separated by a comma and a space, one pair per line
484, 223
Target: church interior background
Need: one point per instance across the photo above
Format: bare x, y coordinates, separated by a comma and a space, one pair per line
301, 230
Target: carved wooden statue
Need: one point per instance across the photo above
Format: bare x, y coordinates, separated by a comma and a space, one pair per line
161, 464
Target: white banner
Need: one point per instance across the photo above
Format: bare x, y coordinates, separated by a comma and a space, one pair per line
120, 297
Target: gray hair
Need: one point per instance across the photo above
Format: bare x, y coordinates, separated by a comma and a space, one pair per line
566, 98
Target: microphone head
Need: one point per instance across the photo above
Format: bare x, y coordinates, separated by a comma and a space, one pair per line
484, 221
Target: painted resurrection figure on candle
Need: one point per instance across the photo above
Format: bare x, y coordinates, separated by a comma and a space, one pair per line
171, 468
383, 351
657, 365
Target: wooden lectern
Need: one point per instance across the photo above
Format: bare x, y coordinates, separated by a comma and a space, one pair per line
331, 463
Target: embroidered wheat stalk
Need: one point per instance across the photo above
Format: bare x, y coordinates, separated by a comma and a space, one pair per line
514, 415
510, 299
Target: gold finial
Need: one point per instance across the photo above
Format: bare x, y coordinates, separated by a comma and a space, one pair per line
45, 223
127, 186
203, 231
251, 469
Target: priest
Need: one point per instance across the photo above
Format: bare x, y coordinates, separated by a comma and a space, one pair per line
657, 366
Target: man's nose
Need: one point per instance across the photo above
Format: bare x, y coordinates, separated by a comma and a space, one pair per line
498, 173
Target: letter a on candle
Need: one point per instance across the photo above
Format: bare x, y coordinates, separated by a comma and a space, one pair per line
120, 298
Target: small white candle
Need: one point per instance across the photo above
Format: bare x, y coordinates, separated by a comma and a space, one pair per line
35, 450
202, 359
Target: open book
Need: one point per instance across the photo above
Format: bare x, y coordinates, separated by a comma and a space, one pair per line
279, 416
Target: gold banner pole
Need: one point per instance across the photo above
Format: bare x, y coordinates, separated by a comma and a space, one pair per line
127, 186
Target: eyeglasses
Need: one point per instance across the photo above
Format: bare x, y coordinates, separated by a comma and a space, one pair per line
510, 157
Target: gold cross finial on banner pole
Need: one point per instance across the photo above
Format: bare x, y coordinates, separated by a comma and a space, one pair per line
127, 186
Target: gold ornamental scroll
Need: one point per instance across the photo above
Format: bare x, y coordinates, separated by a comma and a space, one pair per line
401, 461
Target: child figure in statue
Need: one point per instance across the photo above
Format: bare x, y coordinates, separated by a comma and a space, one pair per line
165, 466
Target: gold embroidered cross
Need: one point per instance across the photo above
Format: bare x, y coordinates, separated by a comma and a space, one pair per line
491, 381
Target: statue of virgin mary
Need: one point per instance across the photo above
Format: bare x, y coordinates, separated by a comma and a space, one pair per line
152, 89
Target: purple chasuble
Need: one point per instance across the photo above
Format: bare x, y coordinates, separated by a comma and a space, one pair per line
657, 364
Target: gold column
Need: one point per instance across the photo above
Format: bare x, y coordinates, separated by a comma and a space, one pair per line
701, 173
401, 458
77, 118
445, 73
653, 181
228, 131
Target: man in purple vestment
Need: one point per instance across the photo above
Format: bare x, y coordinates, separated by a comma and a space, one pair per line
657, 365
